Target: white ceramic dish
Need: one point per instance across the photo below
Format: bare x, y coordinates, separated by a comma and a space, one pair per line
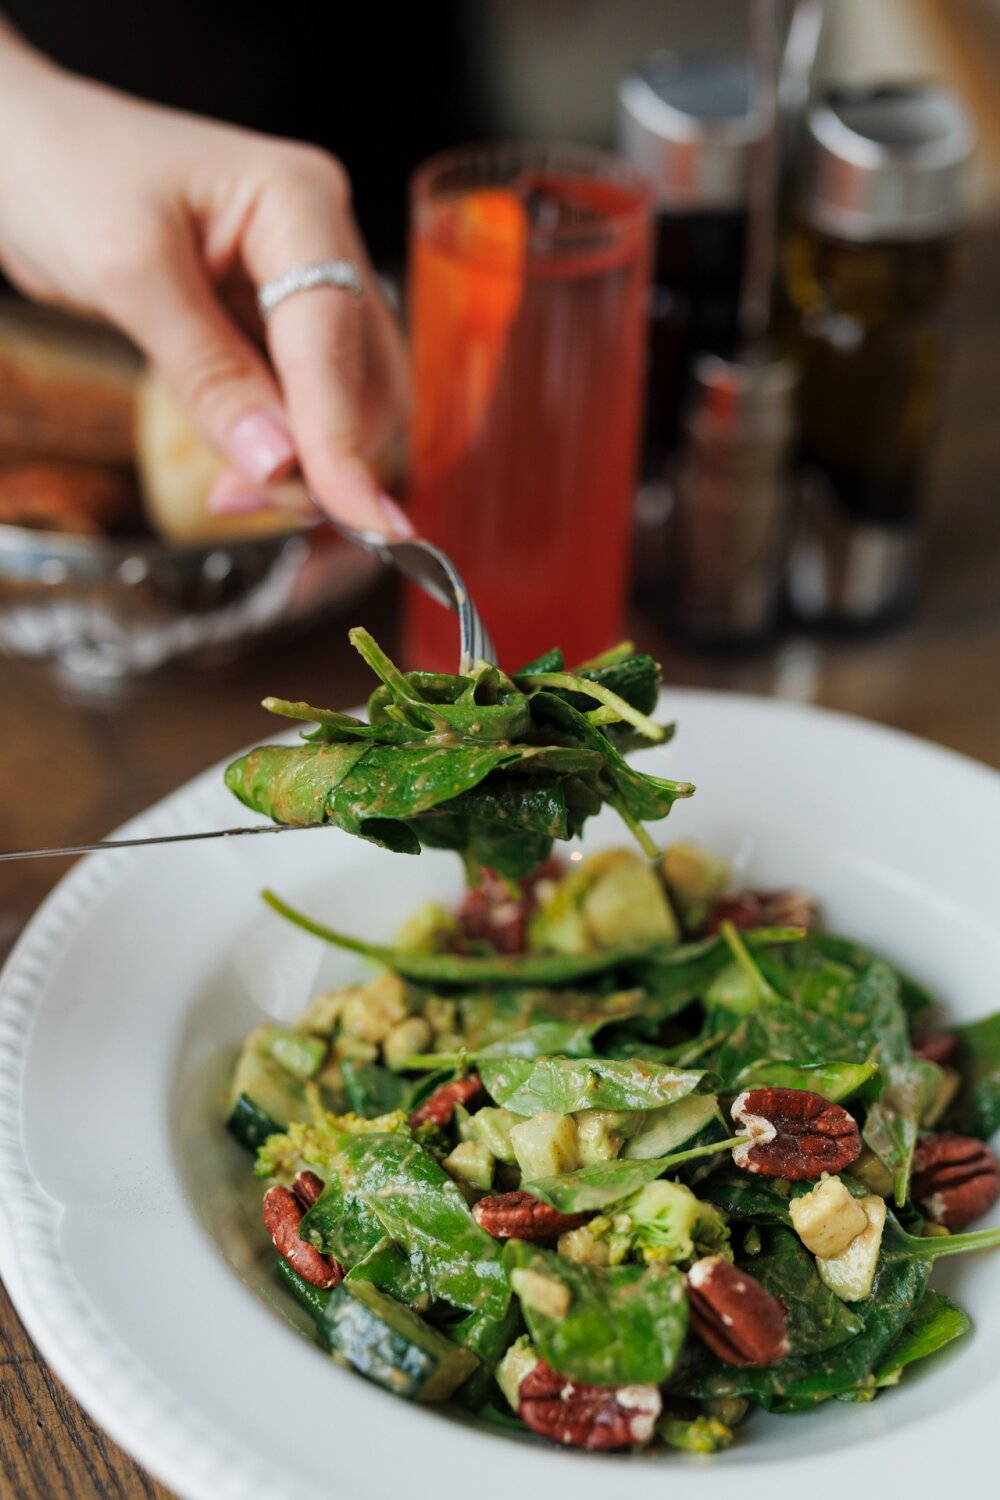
130, 1240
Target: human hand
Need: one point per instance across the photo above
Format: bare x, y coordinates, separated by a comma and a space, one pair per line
165, 224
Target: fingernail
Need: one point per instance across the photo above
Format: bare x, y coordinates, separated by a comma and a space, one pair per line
230, 495
260, 446
349, 494
397, 521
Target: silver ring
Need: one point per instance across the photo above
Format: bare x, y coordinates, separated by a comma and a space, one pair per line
340, 273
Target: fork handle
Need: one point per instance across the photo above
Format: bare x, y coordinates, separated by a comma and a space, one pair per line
432, 570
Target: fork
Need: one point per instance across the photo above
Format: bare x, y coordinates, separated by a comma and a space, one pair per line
430, 568
434, 572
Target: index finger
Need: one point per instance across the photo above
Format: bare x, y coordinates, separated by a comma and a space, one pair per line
318, 341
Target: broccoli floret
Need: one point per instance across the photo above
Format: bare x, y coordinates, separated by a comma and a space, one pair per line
697, 1435
711, 1233
313, 1143
664, 1221
430, 929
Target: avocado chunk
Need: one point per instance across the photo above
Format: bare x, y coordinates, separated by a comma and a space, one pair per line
694, 879
613, 900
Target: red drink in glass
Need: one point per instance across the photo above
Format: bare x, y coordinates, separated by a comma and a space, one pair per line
528, 282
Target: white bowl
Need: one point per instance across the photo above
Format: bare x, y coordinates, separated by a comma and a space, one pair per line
129, 1237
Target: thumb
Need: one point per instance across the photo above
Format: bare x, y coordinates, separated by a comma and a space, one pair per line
224, 383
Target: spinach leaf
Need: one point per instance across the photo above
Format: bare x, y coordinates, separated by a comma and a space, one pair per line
505, 804
781, 1032
817, 1319
832, 1080
637, 797
488, 1337
459, 970
336, 728
742, 985
387, 1267
875, 1011
744, 1197
549, 661
898, 1245
621, 1326
865, 1001
342, 1224
487, 1334
977, 1111
293, 784
370, 790
808, 980
564, 1084
537, 1023
688, 968
854, 1018
892, 1123
934, 1322
915, 997
372, 1090
395, 1182
634, 678
579, 692
483, 705
452, 970
590, 1189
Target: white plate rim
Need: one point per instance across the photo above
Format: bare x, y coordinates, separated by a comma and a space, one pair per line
145, 1417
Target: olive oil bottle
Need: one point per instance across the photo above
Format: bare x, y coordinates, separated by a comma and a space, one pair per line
867, 268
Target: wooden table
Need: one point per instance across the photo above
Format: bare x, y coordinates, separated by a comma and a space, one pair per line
71, 770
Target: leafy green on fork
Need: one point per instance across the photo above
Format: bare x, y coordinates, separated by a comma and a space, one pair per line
494, 767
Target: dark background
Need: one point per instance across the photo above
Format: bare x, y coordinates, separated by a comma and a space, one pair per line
380, 85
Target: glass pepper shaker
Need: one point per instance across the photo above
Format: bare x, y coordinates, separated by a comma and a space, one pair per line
687, 122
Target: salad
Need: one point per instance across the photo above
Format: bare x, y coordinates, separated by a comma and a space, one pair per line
616, 1153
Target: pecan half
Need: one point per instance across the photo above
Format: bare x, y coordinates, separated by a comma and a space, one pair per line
747, 909
794, 1134
734, 1315
955, 1178
788, 908
282, 1217
521, 1216
306, 1189
440, 1106
936, 1049
741, 908
587, 1416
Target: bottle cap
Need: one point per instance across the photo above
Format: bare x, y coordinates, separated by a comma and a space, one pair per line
884, 163
743, 398
687, 122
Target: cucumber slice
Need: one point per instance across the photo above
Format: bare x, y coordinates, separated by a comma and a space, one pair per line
277, 1097
249, 1124
694, 1121
392, 1345
312, 1298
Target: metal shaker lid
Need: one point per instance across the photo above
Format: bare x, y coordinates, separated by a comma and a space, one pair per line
687, 122
884, 162
743, 400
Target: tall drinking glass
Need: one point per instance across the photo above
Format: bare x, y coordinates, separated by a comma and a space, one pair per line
528, 282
